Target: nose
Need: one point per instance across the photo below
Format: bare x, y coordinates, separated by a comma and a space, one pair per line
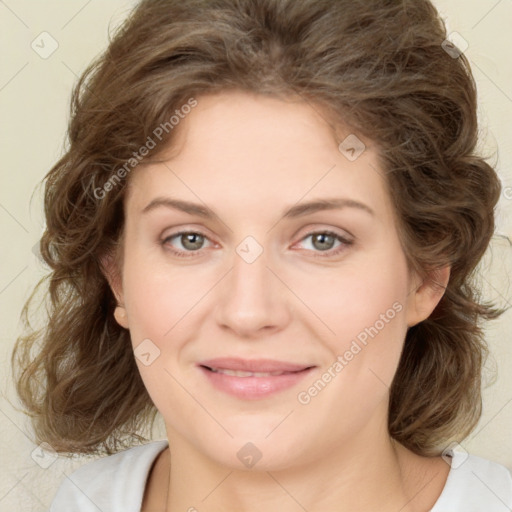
252, 301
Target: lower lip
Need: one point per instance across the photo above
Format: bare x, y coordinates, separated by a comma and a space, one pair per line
254, 388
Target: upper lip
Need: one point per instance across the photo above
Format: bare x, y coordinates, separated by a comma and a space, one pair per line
253, 365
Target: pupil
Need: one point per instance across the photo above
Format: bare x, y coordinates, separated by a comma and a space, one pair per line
188, 240
324, 239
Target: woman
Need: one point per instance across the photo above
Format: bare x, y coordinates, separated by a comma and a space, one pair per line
265, 228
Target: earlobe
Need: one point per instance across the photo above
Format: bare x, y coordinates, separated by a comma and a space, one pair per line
426, 297
120, 316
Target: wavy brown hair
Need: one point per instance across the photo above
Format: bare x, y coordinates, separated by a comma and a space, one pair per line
380, 66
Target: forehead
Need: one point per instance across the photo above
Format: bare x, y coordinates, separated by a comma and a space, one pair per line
252, 151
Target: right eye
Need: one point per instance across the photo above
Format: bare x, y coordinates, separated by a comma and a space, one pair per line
191, 242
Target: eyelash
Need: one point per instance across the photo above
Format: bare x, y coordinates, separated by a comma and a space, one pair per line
319, 254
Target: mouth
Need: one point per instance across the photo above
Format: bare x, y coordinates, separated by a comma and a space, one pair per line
253, 379
240, 373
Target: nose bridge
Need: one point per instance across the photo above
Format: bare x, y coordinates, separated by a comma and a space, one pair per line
250, 299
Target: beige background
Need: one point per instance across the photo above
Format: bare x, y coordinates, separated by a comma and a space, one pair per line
34, 97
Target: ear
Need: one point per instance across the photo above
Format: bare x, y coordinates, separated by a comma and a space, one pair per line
424, 297
110, 267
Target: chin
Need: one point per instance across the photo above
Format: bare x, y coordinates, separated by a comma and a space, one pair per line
256, 453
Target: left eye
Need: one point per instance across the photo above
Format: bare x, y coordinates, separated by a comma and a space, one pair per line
321, 242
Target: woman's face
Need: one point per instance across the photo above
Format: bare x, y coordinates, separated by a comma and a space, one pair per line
316, 300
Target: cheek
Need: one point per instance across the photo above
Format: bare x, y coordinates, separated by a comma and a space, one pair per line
358, 301
159, 300
364, 309
161, 304
375, 313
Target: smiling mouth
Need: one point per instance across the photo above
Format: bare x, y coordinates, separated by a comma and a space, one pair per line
241, 373
253, 379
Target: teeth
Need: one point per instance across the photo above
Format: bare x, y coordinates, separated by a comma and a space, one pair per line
237, 373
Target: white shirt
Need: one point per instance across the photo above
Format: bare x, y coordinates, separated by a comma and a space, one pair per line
116, 484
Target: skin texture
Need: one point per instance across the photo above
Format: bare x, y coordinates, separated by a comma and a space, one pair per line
248, 158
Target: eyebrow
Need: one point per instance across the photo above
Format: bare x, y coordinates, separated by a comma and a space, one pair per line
298, 210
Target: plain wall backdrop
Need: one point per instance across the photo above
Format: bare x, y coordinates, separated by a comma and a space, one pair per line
44, 47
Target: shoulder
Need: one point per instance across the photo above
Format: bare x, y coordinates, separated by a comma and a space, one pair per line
475, 484
114, 483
